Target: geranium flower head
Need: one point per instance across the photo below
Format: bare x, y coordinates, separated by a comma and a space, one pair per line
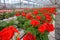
38, 17
43, 21
17, 14
42, 29
7, 33
34, 22
52, 10
28, 16
29, 36
48, 10
48, 17
35, 12
13, 28
50, 27
23, 14
44, 10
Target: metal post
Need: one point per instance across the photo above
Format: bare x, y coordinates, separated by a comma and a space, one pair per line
52, 1
20, 3
33, 4
28, 4
39, 5
4, 7
55, 2
0, 1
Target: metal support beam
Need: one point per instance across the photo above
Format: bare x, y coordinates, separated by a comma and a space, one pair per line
4, 7
20, 3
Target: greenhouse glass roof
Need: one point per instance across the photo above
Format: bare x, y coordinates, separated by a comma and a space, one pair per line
25, 3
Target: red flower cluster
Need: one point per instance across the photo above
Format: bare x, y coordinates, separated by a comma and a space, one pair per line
48, 17
42, 28
34, 22
29, 36
50, 27
38, 17
23, 14
46, 27
48, 10
52, 10
7, 33
43, 21
28, 16
35, 12
17, 14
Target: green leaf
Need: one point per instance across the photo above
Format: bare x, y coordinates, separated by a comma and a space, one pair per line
32, 30
53, 17
45, 36
26, 24
20, 26
21, 19
11, 22
3, 24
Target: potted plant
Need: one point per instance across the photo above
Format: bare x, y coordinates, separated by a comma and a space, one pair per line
1, 17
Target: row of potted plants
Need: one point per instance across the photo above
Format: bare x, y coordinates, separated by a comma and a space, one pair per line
36, 23
6, 15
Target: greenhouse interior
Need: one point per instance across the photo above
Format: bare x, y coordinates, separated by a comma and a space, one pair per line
29, 19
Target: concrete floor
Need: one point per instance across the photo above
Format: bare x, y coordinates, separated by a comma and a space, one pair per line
57, 24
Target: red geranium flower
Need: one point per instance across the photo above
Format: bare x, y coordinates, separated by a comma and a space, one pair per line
23, 14
46, 26
44, 10
43, 21
34, 22
48, 10
50, 27
29, 36
13, 28
38, 17
28, 16
7, 33
17, 14
35, 12
48, 17
42, 28
52, 10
